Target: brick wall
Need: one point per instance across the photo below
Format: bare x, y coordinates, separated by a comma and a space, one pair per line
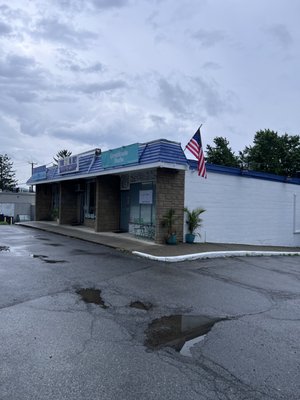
68, 207
43, 202
169, 194
107, 203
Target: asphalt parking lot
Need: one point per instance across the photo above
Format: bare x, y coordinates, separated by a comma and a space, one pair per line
58, 342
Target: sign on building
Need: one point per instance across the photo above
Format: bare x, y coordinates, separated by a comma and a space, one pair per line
39, 173
68, 164
146, 196
122, 156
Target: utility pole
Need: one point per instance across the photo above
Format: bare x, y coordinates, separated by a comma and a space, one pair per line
32, 164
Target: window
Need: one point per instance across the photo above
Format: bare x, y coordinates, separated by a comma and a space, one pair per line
142, 203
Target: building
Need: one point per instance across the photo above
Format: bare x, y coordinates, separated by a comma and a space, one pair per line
129, 189
17, 206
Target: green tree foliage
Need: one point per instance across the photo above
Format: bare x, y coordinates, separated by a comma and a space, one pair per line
273, 153
221, 153
61, 154
7, 175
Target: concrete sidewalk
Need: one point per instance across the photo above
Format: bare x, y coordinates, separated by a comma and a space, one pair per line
144, 248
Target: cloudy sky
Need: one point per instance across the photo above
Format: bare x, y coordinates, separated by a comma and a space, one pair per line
80, 74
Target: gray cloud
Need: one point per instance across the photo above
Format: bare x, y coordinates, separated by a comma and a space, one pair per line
22, 81
174, 97
102, 4
32, 126
54, 30
5, 29
60, 99
211, 98
123, 129
210, 65
10, 13
95, 88
78, 5
195, 95
97, 67
281, 34
21, 68
24, 96
208, 38
158, 120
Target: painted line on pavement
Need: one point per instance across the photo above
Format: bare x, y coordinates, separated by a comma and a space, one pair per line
216, 254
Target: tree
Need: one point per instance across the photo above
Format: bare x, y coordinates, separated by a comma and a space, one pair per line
273, 153
7, 175
290, 160
221, 154
61, 154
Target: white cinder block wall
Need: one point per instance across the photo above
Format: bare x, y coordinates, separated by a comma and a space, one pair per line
245, 210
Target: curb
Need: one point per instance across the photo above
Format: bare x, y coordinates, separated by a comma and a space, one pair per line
216, 254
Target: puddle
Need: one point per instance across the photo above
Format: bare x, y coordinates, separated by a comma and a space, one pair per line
15, 250
53, 244
4, 248
176, 330
141, 305
46, 259
40, 256
107, 254
92, 296
81, 252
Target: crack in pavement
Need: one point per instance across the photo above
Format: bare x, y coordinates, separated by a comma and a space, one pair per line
269, 293
213, 377
294, 275
29, 299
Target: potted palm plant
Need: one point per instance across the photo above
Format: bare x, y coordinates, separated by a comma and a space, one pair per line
168, 222
55, 214
193, 221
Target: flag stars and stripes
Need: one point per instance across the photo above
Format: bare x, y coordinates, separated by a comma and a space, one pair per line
195, 147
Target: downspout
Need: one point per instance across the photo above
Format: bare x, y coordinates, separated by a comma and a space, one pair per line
91, 164
295, 214
96, 154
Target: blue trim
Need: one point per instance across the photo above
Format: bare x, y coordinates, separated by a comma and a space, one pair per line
220, 169
157, 151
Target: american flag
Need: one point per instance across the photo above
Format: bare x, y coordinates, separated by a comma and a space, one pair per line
195, 147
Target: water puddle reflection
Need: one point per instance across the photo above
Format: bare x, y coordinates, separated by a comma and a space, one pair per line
89, 295
4, 248
146, 306
177, 330
46, 259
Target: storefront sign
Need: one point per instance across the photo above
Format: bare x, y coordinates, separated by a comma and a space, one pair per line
39, 173
68, 164
121, 156
146, 196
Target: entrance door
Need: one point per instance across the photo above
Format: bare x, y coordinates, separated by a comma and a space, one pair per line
81, 208
125, 210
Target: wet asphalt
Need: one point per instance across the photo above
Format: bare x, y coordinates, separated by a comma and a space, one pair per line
56, 345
